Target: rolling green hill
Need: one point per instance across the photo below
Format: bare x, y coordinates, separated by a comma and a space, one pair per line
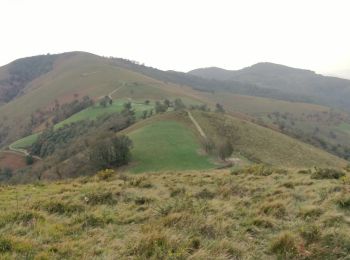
255, 143
79, 74
166, 145
74, 75
260, 144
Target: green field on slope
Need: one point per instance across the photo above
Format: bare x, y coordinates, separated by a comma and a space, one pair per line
90, 113
166, 145
260, 144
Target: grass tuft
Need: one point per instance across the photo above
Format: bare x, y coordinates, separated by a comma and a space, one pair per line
276, 209
285, 245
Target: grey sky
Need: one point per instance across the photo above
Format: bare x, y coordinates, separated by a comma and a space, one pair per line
183, 34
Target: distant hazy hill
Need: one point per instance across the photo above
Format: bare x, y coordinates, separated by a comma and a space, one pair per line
321, 89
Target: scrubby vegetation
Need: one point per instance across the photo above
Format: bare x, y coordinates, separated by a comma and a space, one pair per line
78, 149
21, 72
256, 213
326, 129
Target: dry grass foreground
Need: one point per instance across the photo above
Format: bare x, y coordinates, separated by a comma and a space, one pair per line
256, 213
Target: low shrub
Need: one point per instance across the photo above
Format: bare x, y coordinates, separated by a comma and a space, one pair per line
140, 182
344, 202
100, 198
347, 168
205, 194
327, 173
304, 171
59, 207
345, 180
105, 175
92, 221
23, 217
155, 244
258, 169
142, 200
6, 245
232, 189
289, 185
177, 191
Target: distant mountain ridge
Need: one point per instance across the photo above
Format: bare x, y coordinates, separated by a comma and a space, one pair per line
321, 89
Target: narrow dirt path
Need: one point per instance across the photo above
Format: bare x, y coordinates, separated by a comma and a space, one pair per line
24, 152
111, 93
194, 121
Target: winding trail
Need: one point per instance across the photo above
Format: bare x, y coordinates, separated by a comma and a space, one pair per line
24, 152
198, 127
111, 93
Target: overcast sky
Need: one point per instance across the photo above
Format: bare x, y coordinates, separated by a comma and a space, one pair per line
183, 34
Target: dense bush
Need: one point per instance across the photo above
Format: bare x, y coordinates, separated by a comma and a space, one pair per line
111, 152
325, 173
66, 137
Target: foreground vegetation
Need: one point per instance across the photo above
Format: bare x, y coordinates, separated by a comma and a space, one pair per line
252, 213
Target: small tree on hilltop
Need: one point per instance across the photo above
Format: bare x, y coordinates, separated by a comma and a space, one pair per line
208, 145
225, 150
167, 103
160, 108
104, 101
219, 108
144, 114
29, 159
178, 104
128, 111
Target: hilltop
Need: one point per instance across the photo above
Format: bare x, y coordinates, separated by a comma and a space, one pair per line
62, 98
330, 91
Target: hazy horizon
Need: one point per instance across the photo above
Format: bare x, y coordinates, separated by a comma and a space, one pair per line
184, 35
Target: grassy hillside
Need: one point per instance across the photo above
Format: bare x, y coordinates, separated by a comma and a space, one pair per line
261, 144
166, 145
187, 215
250, 141
170, 141
315, 124
84, 74
259, 106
